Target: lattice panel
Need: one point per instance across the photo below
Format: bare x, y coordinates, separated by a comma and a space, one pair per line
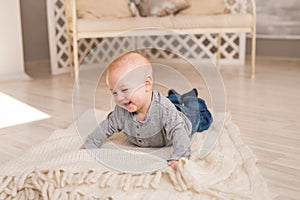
60, 39
231, 47
200, 46
103, 50
183, 45
236, 6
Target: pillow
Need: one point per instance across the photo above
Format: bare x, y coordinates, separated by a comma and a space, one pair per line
103, 8
134, 9
160, 7
204, 7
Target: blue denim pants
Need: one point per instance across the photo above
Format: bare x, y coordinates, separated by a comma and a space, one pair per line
194, 108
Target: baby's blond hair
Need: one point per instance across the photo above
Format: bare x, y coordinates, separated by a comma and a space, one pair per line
133, 60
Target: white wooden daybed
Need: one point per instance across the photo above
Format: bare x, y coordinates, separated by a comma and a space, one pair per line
232, 19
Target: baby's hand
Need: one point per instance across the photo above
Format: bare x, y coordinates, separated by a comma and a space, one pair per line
173, 164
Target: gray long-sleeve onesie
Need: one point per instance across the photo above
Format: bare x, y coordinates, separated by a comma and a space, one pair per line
164, 126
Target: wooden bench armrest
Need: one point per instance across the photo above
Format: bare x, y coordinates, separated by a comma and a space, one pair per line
71, 15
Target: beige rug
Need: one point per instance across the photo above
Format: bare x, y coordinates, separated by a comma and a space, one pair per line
58, 169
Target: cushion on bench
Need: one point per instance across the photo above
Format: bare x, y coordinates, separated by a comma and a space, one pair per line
103, 8
211, 21
204, 7
120, 8
169, 22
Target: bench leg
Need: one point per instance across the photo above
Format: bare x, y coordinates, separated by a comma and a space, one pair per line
75, 58
218, 51
253, 54
70, 55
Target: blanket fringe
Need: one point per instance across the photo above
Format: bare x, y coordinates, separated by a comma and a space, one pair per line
48, 184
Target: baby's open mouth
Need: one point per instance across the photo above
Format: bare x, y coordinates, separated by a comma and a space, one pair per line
127, 104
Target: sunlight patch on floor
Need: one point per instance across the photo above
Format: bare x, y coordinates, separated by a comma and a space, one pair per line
14, 112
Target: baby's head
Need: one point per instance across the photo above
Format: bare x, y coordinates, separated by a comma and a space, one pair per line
129, 78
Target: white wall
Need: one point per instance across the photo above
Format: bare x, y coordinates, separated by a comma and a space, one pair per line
11, 47
277, 19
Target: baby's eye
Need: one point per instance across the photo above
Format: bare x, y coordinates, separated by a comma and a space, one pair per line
125, 90
114, 93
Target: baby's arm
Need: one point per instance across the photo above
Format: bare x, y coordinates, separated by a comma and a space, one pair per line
181, 145
106, 128
95, 139
178, 130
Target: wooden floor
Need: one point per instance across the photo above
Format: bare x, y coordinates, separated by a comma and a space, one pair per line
266, 109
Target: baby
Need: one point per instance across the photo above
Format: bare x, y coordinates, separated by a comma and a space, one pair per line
148, 118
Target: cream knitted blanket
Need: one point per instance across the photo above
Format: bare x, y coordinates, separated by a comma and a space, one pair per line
58, 169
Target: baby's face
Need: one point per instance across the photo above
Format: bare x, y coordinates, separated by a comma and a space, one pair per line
129, 88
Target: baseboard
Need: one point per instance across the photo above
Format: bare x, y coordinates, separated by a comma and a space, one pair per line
278, 58
282, 48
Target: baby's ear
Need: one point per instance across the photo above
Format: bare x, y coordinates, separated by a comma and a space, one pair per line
148, 83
